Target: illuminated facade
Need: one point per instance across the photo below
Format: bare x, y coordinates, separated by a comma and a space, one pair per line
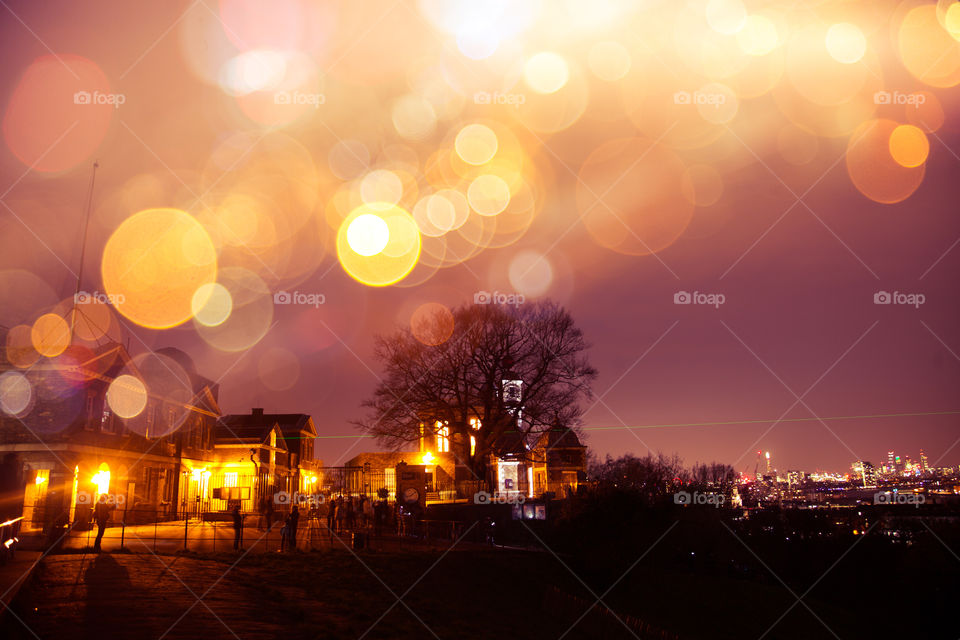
69, 447
173, 456
553, 462
260, 455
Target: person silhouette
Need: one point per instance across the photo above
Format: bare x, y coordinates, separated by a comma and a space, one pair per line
101, 514
237, 527
292, 520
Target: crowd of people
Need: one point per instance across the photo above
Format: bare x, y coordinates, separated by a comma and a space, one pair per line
342, 514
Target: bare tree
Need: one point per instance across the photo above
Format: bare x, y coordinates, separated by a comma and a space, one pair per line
654, 476
458, 381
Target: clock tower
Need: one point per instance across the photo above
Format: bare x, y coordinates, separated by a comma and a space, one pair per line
511, 388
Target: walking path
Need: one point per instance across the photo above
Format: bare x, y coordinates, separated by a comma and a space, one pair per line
14, 574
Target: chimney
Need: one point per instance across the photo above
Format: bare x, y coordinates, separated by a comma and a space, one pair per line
257, 412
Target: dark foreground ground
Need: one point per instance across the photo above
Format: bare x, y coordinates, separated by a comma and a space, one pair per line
477, 593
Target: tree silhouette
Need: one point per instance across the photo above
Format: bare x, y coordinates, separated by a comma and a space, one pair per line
450, 367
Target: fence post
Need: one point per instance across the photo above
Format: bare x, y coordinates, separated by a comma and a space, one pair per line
186, 521
213, 529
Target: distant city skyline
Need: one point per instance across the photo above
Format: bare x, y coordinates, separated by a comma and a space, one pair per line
789, 287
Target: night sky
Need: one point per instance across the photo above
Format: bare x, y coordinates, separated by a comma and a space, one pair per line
796, 249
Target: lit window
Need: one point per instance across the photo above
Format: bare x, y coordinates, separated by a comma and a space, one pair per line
473, 445
102, 479
474, 423
443, 438
390, 482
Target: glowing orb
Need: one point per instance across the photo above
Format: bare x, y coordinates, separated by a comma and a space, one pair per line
909, 146
546, 72
846, 43
951, 20
531, 273
211, 304
20, 350
432, 323
476, 144
59, 112
488, 194
50, 335
154, 263
758, 36
928, 50
378, 247
127, 396
368, 234
381, 188
15, 393
250, 314
726, 16
631, 196
872, 167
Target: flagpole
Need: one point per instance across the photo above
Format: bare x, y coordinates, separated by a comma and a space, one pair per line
83, 249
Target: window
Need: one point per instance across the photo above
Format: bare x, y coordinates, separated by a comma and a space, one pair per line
443, 438
107, 421
88, 423
390, 482
150, 418
473, 445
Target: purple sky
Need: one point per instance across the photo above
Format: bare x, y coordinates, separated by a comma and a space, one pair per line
798, 286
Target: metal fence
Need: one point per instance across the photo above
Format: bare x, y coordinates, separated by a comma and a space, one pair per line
215, 531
